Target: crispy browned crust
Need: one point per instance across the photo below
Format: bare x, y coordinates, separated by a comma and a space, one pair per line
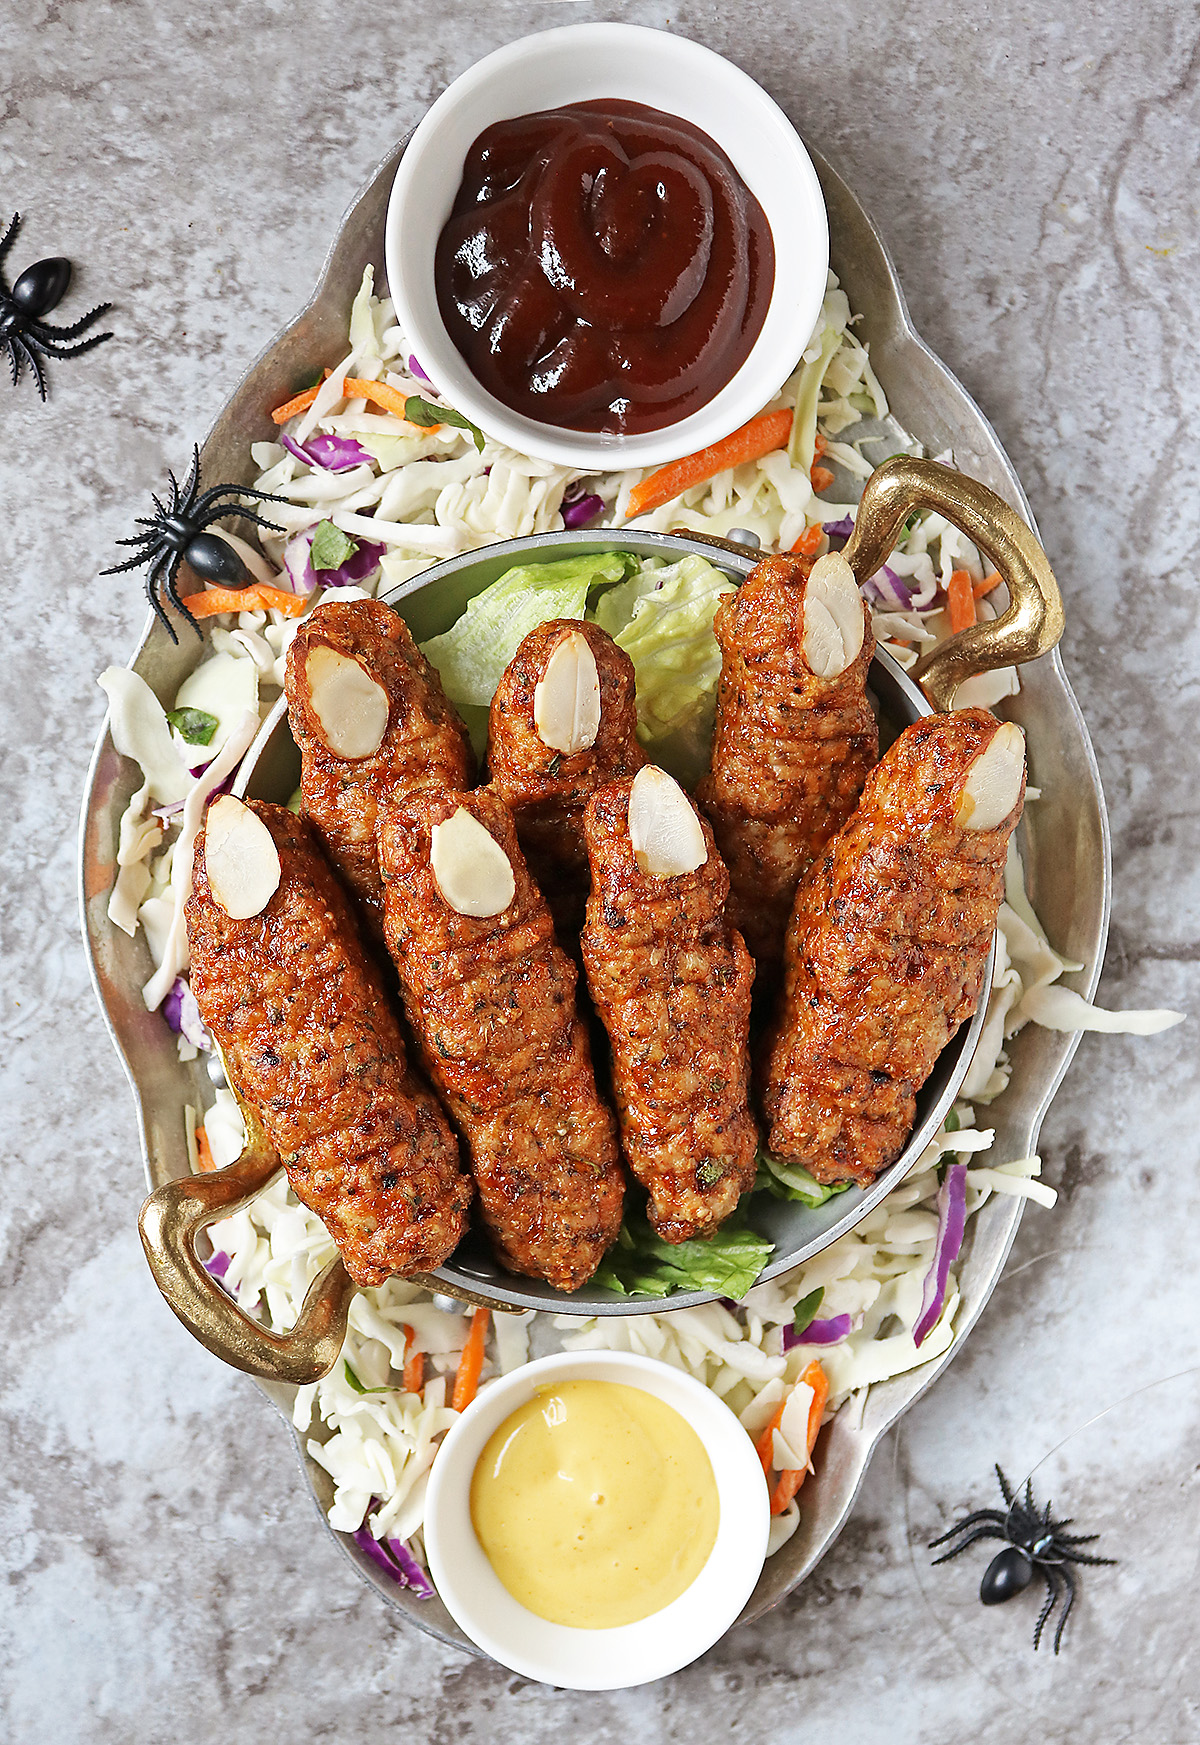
886, 952
425, 746
492, 1004
790, 752
671, 981
311, 1041
545, 791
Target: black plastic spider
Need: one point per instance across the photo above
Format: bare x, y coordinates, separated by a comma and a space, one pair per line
1034, 1542
175, 534
40, 288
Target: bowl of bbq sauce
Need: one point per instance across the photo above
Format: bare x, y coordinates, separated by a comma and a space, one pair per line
607, 246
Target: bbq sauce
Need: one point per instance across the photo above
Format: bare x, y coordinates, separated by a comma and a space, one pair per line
604, 267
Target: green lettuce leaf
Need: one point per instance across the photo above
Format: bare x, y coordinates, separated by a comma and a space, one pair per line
662, 617
642, 1264
786, 1181
471, 656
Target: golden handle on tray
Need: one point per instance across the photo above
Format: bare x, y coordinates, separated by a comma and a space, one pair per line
1033, 622
170, 1221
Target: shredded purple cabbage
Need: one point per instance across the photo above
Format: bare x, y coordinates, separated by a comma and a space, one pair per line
952, 1222
217, 1264
183, 1015
396, 1561
889, 589
362, 564
414, 1576
333, 454
416, 370
818, 1332
580, 512
839, 529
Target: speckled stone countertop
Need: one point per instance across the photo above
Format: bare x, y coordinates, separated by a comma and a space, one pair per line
1035, 172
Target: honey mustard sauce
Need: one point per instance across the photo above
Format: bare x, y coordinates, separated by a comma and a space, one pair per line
595, 1504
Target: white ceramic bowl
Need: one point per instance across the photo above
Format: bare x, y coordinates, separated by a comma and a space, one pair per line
630, 1654
576, 64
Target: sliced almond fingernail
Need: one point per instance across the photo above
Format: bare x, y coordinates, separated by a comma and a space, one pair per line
993, 784
471, 870
566, 700
664, 830
240, 858
350, 705
834, 621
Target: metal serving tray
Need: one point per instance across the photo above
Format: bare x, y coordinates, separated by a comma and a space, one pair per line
1065, 842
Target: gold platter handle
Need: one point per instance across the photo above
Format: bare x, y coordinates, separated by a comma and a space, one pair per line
1033, 622
170, 1221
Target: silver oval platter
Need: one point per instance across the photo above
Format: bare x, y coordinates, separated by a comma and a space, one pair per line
1066, 845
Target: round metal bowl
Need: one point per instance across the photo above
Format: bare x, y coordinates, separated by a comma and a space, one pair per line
429, 604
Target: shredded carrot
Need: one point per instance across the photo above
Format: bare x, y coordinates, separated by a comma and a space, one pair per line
298, 402
819, 446
961, 601
258, 597
768, 431
809, 540
391, 399
821, 477
414, 1362
789, 1482
204, 1157
986, 585
470, 1364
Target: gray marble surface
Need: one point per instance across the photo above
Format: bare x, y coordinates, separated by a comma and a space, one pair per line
1035, 171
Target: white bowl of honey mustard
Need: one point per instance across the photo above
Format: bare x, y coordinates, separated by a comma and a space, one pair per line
596, 1519
663, 76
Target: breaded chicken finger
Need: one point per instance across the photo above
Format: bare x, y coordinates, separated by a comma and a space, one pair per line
795, 736
491, 999
563, 722
888, 944
373, 723
671, 982
311, 1041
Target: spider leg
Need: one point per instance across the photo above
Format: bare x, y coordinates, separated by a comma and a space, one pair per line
34, 362
130, 563
174, 594
185, 502
6, 242
53, 349
1049, 1577
1005, 1487
206, 504
968, 1521
14, 363
153, 577
220, 510
979, 1533
1081, 1557
1075, 1538
1066, 1611
48, 330
1029, 1502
